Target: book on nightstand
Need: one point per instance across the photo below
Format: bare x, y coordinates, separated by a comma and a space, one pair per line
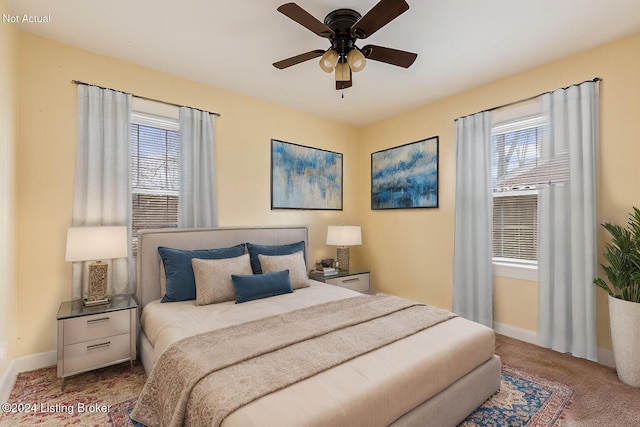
324, 272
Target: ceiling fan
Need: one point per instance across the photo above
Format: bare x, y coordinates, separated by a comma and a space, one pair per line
343, 27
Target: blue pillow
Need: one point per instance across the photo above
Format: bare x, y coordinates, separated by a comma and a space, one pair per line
259, 286
255, 250
181, 283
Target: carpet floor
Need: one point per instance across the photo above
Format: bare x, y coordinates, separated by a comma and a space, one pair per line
537, 385
600, 399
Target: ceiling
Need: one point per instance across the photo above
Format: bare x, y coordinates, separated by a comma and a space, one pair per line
460, 44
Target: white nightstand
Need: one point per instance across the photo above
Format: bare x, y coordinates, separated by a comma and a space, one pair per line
94, 337
359, 282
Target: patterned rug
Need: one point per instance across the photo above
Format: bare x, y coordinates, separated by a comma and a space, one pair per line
523, 400
106, 397
87, 400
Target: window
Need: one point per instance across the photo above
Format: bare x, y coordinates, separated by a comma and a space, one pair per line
155, 184
517, 173
515, 201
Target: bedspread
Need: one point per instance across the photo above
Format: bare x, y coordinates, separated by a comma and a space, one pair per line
202, 379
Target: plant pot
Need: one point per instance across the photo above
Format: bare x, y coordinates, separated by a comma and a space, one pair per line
625, 334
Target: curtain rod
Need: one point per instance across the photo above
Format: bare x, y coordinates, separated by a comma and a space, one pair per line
509, 104
78, 82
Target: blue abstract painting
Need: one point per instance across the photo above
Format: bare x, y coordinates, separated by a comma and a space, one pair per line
305, 177
405, 177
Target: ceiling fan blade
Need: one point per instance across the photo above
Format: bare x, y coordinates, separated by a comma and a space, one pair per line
389, 55
294, 60
305, 19
379, 16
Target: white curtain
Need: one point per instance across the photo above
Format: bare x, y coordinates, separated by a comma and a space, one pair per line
102, 194
472, 263
197, 206
567, 260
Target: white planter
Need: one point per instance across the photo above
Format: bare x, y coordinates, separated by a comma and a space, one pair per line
625, 334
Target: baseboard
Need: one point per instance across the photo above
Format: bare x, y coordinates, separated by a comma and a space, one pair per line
605, 357
521, 334
23, 364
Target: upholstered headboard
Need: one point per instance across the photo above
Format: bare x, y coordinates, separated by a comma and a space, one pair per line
149, 263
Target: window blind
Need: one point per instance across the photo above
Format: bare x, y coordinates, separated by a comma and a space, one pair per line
515, 227
155, 177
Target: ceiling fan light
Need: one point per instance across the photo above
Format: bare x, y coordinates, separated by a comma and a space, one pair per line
356, 60
343, 73
329, 60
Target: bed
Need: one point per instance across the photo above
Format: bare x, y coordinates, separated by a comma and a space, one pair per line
433, 375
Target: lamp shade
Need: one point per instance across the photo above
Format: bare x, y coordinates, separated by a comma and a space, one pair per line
96, 243
329, 60
356, 60
344, 235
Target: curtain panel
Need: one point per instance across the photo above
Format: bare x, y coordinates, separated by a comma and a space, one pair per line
102, 194
472, 261
197, 205
567, 262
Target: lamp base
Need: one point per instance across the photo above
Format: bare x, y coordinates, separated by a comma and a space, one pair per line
97, 284
343, 258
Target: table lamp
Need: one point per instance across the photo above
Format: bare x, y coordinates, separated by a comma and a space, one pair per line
96, 244
344, 236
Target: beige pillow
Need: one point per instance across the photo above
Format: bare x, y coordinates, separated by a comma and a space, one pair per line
294, 263
213, 278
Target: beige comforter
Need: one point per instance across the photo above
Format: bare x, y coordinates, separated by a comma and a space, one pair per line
220, 371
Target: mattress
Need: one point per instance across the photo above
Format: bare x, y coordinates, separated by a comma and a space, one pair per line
376, 388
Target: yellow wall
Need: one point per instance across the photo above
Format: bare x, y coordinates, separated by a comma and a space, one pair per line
46, 159
411, 252
8, 136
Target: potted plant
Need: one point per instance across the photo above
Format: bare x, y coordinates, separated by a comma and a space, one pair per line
622, 254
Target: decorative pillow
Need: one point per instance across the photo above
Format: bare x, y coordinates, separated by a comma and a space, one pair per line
255, 250
180, 282
213, 278
256, 286
294, 263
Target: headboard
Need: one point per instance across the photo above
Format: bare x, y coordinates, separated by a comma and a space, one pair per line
149, 262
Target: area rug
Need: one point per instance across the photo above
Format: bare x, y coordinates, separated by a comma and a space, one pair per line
87, 400
523, 400
107, 396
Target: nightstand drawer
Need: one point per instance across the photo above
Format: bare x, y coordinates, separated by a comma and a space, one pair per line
86, 328
93, 354
355, 282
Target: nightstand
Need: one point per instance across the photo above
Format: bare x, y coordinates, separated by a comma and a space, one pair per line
359, 282
94, 337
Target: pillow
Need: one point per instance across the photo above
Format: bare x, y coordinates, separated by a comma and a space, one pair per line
294, 263
180, 282
256, 286
213, 278
255, 250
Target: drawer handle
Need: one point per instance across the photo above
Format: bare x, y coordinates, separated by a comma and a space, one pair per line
101, 319
97, 346
357, 279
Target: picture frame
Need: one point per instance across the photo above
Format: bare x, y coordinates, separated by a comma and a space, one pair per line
305, 177
406, 176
